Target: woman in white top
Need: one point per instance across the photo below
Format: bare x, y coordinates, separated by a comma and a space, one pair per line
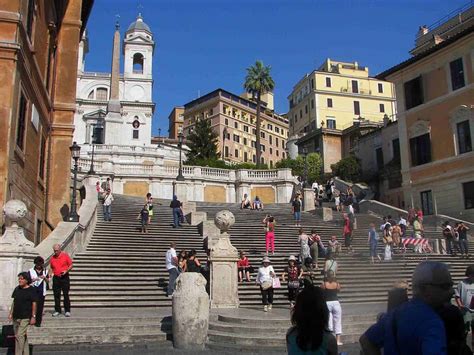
265, 280
39, 279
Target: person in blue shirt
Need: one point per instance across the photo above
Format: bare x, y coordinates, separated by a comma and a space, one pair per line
414, 327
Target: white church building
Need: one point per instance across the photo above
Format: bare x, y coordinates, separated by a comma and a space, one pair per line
112, 108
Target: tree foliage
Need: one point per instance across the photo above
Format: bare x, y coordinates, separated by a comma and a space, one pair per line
314, 161
258, 82
348, 169
202, 142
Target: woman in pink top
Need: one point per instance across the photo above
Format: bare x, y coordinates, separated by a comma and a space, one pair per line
347, 233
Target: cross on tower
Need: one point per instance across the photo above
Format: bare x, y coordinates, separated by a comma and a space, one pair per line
117, 22
139, 8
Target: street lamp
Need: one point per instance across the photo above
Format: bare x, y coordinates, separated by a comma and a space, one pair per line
180, 176
224, 136
75, 152
305, 177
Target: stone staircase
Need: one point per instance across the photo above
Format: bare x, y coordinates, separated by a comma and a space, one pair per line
122, 274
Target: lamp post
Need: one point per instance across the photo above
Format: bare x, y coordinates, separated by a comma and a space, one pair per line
75, 152
91, 169
180, 176
305, 176
224, 136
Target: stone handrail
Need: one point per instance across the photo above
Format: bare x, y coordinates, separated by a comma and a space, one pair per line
73, 236
360, 190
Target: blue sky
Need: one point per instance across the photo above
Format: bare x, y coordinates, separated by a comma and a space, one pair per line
205, 44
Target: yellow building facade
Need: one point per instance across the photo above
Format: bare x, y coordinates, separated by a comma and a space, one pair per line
337, 94
233, 118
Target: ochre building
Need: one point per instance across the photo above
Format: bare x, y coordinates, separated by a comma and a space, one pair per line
39, 43
234, 120
435, 99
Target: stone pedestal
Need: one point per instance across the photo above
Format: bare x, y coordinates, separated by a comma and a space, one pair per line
190, 312
180, 189
325, 213
16, 252
223, 258
308, 199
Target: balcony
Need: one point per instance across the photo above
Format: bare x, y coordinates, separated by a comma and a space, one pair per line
349, 90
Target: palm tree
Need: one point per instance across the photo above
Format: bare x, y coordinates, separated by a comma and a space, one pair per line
258, 82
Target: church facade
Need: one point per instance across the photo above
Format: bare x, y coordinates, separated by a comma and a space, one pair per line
114, 108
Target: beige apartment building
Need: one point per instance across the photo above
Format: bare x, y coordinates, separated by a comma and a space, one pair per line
234, 118
335, 95
176, 120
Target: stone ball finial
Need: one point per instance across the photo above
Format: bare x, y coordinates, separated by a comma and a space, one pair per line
15, 210
224, 220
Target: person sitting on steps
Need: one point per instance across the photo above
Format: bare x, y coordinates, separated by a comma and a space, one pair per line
245, 202
257, 204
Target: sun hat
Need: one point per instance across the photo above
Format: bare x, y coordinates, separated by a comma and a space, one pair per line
266, 260
292, 257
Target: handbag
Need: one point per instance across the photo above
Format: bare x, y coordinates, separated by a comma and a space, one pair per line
8, 336
276, 282
266, 285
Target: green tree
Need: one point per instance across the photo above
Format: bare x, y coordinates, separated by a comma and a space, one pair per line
202, 142
314, 161
258, 82
348, 169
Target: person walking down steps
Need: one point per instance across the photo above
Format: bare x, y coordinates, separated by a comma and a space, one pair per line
175, 205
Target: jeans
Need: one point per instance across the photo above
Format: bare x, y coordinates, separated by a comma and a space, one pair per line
463, 246
267, 295
173, 273
297, 216
20, 326
450, 246
61, 284
176, 216
107, 212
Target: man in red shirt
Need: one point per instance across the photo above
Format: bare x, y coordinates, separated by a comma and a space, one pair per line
60, 264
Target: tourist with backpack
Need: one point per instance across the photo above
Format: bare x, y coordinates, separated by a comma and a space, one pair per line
294, 273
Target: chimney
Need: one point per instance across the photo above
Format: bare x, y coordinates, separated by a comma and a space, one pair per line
114, 101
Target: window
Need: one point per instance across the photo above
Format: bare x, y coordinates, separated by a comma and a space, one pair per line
262, 134
262, 160
331, 123
254, 131
312, 83
236, 153
355, 86
42, 157
283, 155
254, 158
312, 103
246, 129
236, 138
277, 153
276, 142
91, 95
277, 130
426, 202
457, 74
254, 144
269, 127
468, 192
380, 86
236, 125
382, 107
245, 141
464, 137
226, 122
270, 139
135, 134
356, 108
413, 92
246, 157
301, 113
305, 108
20, 133
396, 149
226, 152
329, 102
30, 18
379, 158
271, 150
296, 118
283, 144
262, 147
138, 63
420, 148
98, 133
101, 94
328, 82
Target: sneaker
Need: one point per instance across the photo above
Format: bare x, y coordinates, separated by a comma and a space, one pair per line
67, 314
265, 308
269, 307
56, 314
